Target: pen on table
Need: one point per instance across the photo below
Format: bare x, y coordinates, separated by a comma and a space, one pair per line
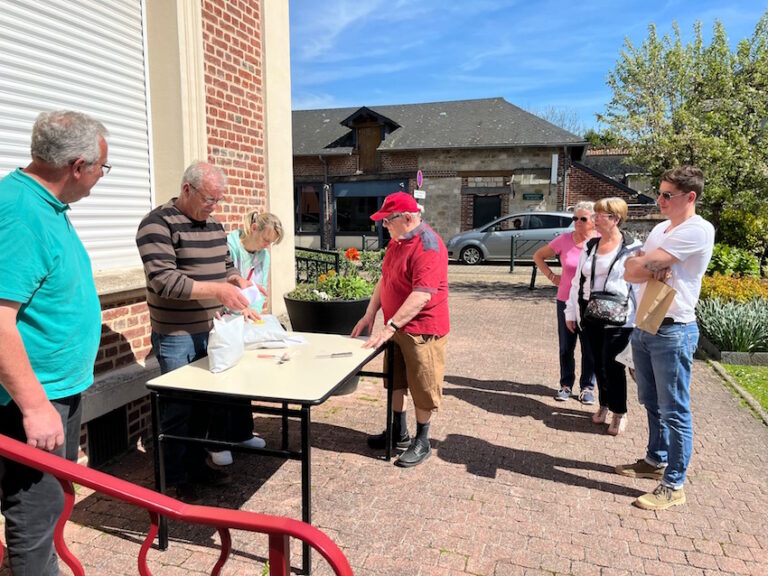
335, 355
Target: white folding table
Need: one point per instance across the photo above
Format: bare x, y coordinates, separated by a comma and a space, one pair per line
308, 378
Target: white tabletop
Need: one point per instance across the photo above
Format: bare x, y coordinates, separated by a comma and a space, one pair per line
303, 379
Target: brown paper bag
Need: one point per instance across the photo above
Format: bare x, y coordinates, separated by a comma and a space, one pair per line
657, 299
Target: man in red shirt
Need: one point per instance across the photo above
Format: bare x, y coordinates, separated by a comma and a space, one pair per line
413, 296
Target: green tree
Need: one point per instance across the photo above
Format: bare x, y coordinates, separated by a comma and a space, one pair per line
676, 103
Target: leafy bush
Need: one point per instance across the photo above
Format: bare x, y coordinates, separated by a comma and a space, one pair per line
731, 288
731, 261
359, 273
735, 326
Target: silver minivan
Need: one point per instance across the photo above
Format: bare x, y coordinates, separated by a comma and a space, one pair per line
493, 241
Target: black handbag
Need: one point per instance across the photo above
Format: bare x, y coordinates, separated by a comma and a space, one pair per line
605, 307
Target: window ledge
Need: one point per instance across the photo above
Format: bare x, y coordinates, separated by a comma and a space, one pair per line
119, 284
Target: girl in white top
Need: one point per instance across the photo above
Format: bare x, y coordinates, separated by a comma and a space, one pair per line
249, 249
608, 255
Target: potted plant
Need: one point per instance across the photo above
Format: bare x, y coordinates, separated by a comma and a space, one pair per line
334, 302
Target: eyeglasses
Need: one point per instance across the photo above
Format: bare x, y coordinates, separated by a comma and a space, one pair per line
581, 218
391, 217
210, 200
106, 168
668, 196
602, 215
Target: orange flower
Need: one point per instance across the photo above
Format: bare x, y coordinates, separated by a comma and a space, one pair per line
352, 254
331, 272
322, 278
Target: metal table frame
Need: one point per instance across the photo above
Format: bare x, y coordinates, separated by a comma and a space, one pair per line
158, 394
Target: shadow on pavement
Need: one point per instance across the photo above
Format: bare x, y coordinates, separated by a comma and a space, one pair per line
501, 386
516, 405
482, 458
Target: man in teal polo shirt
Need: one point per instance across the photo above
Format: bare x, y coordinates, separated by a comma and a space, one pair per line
50, 323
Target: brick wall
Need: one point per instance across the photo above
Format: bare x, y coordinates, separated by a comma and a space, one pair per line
125, 334
233, 73
233, 76
583, 186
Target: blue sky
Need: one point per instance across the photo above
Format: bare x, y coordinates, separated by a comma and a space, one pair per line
536, 55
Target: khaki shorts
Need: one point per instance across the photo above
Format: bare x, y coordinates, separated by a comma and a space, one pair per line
419, 366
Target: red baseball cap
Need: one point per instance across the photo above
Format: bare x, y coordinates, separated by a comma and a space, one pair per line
397, 202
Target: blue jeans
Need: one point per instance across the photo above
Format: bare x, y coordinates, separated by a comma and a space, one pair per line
663, 363
230, 423
182, 460
32, 501
567, 342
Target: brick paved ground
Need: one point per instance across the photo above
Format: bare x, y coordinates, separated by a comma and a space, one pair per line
517, 484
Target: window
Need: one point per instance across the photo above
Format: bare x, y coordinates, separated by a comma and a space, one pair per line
308, 208
537, 221
354, 214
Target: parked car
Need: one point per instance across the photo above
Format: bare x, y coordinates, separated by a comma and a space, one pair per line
492, 241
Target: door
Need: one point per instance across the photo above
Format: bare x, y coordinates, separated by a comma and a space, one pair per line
498, 238
485, 209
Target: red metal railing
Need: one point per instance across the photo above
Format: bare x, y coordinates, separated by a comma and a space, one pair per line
279, 529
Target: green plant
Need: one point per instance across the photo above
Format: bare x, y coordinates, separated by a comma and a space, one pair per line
357, 278
733, 288
730, 261
735, 326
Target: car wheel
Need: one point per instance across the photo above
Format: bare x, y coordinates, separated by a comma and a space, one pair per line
471, 255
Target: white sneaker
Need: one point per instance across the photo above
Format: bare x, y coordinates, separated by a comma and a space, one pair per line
254, 442
223, 458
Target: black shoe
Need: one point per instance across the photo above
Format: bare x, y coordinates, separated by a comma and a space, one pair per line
379, 441
212, 477
187, 493
417, 452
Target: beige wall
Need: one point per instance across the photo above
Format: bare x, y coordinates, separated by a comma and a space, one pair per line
278, 145
177, 98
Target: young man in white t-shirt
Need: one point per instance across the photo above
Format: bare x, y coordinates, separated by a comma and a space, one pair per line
677, 251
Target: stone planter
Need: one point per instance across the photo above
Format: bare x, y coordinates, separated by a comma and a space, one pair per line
327, 317
728, 357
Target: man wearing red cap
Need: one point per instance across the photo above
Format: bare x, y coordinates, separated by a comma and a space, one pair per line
413, 296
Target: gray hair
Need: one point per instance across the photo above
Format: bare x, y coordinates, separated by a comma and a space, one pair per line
584, 205
199, 171
61, 136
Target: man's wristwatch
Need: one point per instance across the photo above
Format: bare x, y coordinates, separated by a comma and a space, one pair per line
392, 325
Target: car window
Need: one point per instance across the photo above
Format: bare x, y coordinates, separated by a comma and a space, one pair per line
513, 223
538, 221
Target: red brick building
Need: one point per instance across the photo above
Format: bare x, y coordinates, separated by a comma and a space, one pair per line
177, 82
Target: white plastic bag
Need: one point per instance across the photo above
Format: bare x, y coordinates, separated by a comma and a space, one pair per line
265, 334
625, 357
225, 342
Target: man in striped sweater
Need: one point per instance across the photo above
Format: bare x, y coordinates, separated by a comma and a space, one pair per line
190, 276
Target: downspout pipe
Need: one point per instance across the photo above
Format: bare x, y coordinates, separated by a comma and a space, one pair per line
566, 161
322, 201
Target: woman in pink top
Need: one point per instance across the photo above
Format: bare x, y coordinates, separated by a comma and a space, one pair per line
568, 248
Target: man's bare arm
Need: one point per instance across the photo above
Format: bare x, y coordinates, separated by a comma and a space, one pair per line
643, 267
42, 423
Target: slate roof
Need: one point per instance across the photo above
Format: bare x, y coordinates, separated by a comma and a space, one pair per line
484, 123
614, 165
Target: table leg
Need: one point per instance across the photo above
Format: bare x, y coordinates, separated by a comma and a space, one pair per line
306, 486
162, 535
284, 427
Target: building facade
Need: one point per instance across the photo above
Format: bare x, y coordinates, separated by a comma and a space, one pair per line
173, 81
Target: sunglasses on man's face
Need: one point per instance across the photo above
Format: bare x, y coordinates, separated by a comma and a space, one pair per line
581, 219
668, 195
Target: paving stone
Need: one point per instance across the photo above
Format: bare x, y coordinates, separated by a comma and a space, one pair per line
517, 483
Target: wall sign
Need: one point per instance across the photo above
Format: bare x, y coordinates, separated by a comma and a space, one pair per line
533, 196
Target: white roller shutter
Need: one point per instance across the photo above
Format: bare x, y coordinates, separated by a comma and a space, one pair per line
85, 55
